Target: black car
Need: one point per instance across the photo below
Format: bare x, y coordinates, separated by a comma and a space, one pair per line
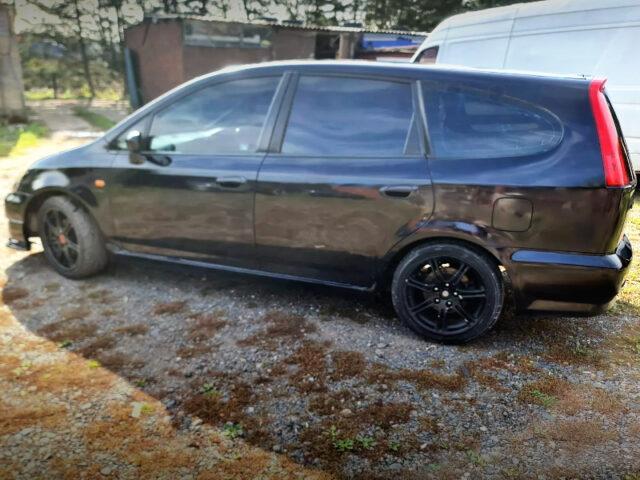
438, 184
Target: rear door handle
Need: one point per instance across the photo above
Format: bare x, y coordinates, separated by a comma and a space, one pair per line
398, 191
231, 182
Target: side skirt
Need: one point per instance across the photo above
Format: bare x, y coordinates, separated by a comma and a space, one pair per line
249, 271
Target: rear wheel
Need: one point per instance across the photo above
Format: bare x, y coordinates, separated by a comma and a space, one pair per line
447, 292
71, 239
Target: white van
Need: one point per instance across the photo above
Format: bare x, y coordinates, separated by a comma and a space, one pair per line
584, 37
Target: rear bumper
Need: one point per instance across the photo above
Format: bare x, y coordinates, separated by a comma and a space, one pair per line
568, 282
14, 206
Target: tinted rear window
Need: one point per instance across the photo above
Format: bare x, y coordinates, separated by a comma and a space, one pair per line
349, 116
465, 123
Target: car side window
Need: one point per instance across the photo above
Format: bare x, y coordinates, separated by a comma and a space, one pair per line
340, 116
225, 118
465, 123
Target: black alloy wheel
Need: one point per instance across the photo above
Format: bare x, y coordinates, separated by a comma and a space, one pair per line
447, 292
61, 238
72, 241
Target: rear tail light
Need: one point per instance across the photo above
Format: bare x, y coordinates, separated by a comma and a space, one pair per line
615, 169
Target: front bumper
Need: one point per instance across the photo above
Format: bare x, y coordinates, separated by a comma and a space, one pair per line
15, 206
568, 282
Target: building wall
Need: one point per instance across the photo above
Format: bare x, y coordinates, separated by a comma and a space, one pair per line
11, 87
200, 60
293, 44
286, 45
158, 48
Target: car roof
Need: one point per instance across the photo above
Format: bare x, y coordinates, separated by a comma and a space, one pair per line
378, 67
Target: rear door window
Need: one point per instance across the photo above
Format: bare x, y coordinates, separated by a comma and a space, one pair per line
340, 116
466, 123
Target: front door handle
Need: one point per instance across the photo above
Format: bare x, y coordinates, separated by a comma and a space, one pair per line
398, 191
231, 182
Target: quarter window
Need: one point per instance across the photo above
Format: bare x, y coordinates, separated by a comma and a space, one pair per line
466, 123
337, 116
225, 118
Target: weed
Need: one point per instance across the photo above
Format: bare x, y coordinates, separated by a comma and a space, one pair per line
366, 442
211, 390
434, 467
331, 432
93, 364
146, 408
543, 399
394, 446
65, 343
343, 445
475, 458
233, 431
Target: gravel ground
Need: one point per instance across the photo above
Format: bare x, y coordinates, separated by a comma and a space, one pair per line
229, 376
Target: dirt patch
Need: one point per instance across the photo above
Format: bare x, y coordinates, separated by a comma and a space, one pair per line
12, 294
170, 308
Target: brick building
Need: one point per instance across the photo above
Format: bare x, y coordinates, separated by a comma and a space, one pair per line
165, 51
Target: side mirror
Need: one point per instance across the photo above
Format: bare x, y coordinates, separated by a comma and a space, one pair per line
134, 141
134, 145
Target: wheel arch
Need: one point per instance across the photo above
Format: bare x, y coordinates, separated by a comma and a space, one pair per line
397, 254
36, 201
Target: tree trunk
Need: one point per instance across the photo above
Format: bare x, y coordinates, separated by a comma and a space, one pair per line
83, 53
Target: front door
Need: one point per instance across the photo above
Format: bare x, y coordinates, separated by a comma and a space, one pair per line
193, 195
349, 181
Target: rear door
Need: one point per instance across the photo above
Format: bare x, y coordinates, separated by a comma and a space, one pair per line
346, 178
193, 194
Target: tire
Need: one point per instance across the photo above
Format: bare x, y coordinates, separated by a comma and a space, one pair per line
447, 292
71, 239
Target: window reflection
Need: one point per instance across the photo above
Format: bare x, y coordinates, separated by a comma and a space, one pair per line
226, 118
348, 116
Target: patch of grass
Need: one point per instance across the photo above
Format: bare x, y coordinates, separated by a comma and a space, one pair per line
579, 434
79, 313
92, 118
132, 330
543, 392
195, 351
101, 343
207, 325
13, 139
170, 308
63, 331
421, 379
348, 364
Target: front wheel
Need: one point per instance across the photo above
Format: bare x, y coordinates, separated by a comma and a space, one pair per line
71, 239
447, 292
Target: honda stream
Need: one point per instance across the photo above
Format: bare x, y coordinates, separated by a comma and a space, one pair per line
438, 184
